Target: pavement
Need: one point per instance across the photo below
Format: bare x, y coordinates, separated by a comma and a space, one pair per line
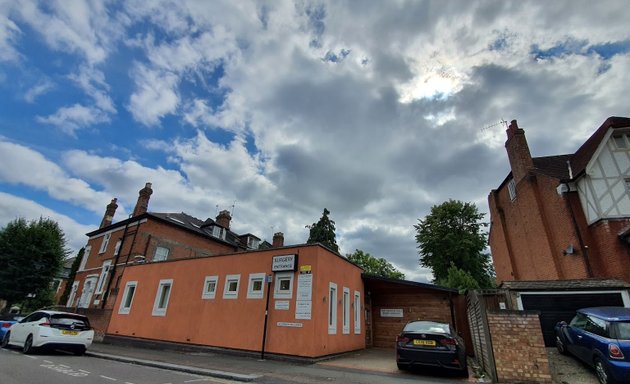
244, 367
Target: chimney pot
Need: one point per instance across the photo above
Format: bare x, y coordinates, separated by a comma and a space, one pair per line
224, 218
143, 200
278, 240
109, 213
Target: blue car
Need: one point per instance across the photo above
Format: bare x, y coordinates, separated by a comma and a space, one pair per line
600, 337
6, 321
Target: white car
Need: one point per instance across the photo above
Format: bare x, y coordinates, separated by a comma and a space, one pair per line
51, 329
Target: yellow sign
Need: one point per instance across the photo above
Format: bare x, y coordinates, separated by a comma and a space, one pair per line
305, 269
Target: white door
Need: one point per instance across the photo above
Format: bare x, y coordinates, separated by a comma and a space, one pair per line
73, 294
88, 291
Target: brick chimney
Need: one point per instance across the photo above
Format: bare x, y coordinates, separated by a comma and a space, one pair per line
278, 240
109, 213
143, 200
223, 219
518, 152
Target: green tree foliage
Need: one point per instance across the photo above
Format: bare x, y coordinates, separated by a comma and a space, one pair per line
373, 266
73, 272
323, 232
451, 235
458, 279
31, 254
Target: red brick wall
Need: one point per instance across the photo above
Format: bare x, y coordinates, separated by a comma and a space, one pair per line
143, 240
610, 256
518, 347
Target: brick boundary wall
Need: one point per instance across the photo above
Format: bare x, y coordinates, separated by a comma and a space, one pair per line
518, 346
99, 319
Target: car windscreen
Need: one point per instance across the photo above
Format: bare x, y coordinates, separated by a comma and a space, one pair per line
623, 330
69, 321
427, 327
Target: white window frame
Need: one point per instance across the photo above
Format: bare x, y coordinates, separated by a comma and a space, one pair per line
155, 255
205, 293
231, 294
103, 276
117, 247
332, 308
105, 243
218, 232
73, 294
278, 292
125, 309
512, 189
346, 311
86, 254
253, 277
357, 312
157, 310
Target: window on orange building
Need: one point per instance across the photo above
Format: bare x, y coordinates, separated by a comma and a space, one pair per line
210, 287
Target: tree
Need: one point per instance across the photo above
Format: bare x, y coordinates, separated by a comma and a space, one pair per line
323, 232
373, 266
451, 235
458, 279
31, 254
73, 272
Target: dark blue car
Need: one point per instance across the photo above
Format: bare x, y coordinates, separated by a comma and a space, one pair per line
600, 337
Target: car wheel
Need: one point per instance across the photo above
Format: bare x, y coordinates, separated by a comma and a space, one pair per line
602, 372
79, 351
5, 340
28, 345
562, 349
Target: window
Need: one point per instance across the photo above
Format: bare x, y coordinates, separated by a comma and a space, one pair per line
627, 181
332, 309
104, 243
256, 286
218, 232
117, 247
357, 313
283, 287
86, 254
252, 242
161, 299
102, 279
579, 321
346, 310
210, 287
230, 291
512, 189
125, 304
161, 254
620, 141
73, 294
596, 326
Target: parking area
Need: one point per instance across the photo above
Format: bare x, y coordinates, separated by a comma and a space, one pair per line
569, 370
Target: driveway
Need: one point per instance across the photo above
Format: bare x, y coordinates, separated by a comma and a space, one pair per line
568, 369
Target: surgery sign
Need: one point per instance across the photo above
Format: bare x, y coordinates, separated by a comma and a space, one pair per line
284, 263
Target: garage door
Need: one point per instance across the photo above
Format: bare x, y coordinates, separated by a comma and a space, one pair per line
556, 307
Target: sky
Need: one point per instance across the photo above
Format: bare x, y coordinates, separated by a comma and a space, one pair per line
275, 110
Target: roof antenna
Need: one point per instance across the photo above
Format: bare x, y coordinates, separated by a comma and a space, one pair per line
233, 208
487, 127
216, 212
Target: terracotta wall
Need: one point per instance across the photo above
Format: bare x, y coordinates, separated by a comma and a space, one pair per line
518, 347
238, 323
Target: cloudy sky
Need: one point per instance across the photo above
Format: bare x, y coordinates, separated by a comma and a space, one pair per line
376, 110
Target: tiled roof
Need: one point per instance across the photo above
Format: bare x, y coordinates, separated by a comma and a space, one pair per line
553, 166
565, 285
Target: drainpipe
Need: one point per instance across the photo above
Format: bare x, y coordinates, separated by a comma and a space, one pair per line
584, 247
450, 302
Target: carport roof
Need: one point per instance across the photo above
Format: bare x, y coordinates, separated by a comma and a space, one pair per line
568, 285
384, 284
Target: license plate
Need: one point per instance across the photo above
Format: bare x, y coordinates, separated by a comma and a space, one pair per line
73, 333
429, 343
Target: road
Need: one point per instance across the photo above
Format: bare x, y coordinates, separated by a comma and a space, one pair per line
61, 368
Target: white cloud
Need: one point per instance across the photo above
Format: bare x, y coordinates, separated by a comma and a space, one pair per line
155, 95
39, 89
72, 118
13, 207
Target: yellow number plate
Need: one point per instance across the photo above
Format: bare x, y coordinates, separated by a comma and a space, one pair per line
73, 333
430, 343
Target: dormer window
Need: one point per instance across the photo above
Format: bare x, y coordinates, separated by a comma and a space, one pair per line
218, 232
621, 141
252, 242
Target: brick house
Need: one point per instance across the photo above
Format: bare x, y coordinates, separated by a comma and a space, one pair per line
148, 237
564, 217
